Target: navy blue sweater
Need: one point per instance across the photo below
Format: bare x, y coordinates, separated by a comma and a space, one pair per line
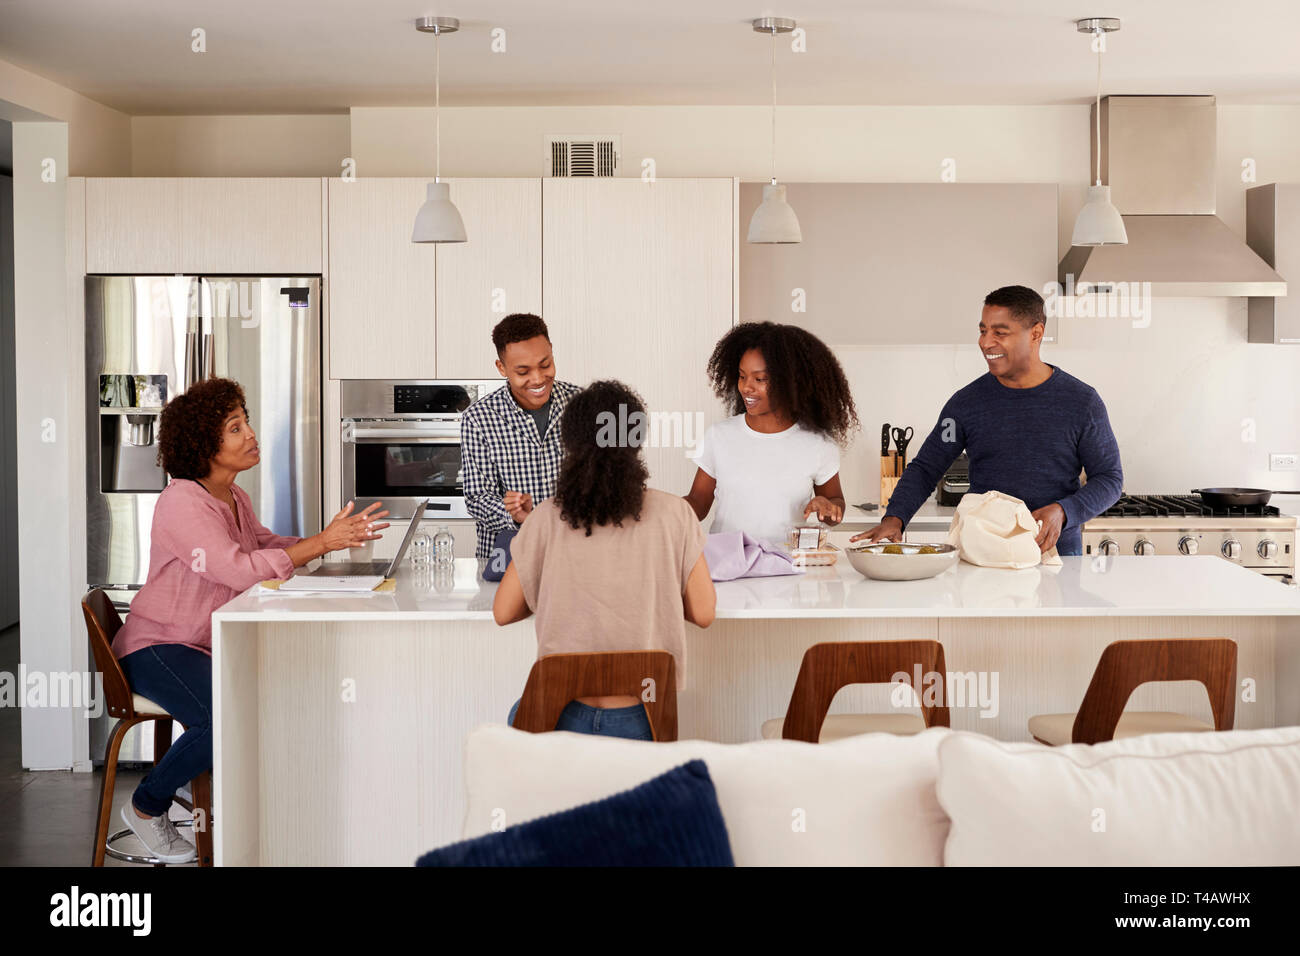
1026, 442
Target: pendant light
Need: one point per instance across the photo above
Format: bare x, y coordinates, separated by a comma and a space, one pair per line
774, 220
1099, 222
438, 220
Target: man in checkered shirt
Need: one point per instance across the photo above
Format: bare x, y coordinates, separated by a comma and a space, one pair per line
510, 439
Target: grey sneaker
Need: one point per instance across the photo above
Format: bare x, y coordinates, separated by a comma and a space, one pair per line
160, 837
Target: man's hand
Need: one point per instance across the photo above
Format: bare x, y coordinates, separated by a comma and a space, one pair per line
825, 509
1051, 518
891, 529
518, 504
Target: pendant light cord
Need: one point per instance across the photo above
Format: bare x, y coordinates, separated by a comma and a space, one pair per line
774, 106
437, 107
1101, 48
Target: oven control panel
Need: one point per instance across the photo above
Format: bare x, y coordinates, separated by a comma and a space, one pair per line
1260, 549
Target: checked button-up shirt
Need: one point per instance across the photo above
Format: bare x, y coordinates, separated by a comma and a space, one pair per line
501, 451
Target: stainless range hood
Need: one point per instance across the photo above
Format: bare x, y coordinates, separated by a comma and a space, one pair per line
1158, 156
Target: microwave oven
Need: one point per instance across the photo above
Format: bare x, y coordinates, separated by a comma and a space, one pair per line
400, 443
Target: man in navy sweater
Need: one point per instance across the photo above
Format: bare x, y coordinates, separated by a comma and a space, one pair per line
1027, 428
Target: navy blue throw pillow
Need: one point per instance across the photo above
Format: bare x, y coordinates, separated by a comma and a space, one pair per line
672, 820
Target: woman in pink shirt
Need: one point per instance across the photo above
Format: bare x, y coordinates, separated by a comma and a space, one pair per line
206, 546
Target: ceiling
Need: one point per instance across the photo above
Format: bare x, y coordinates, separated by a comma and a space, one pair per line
320, 56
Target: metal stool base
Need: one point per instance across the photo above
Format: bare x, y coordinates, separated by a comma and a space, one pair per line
125, 857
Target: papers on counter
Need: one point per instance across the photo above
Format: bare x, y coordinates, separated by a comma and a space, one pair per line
343, 584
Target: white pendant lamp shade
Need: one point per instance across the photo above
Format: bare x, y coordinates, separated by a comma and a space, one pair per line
438, 220
1099, 222
774, 220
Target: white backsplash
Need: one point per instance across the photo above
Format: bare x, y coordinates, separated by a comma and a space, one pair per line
1178, 393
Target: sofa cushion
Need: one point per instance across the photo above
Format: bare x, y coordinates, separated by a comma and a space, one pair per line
865, 800
1195, 799
670, 820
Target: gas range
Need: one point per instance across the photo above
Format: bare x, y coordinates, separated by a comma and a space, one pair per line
1259, 537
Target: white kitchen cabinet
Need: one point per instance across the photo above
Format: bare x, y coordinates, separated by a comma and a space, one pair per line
157, 225
251, 226
133, 225
638, 282
496, 272
381, 284
1273, 231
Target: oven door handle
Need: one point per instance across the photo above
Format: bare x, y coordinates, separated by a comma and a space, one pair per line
368, 434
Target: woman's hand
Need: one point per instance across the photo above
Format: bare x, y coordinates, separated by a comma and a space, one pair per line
891, 529
349, 530
826, 510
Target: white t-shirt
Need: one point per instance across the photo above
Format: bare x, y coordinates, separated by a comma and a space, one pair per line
764, 480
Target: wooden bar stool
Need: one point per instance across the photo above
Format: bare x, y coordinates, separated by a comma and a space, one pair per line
102, 624
1124, 665
828, 667
557, 679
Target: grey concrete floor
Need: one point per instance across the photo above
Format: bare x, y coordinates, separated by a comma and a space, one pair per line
49, 816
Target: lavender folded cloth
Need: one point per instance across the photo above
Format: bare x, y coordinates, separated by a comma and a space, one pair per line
734, 554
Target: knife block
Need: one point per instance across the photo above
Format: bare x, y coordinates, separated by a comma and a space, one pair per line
889, 475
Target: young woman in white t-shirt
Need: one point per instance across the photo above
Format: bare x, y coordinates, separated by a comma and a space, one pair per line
777, 459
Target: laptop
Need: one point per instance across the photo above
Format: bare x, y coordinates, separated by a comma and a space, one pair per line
335, 569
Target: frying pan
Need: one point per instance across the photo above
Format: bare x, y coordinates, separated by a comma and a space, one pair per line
1237, 497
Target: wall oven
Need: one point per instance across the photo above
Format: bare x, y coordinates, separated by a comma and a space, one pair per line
401, 443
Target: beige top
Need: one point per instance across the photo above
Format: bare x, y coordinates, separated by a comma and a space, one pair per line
619, 590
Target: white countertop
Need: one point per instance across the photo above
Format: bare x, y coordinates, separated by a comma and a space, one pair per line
1158, 586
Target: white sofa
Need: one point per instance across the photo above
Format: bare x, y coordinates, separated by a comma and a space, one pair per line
937, 798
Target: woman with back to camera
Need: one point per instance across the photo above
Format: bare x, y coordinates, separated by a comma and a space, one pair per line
205, 547
777, 459
607, 564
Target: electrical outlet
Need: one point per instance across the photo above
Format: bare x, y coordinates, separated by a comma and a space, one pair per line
1289, 462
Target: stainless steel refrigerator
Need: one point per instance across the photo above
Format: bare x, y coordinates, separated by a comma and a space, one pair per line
148, 339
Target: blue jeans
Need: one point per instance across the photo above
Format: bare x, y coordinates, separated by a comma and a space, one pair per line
178, 679
630, 722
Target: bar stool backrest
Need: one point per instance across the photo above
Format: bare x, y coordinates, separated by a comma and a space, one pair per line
828, 667
557, 679
1125, 665
102, 624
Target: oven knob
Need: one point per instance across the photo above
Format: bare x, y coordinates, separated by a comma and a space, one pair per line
1144, 547
1231, 549
1267, 550
1109, 546
1187, 545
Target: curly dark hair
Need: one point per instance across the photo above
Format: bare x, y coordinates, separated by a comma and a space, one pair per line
189, 435
805, 380
519, 327
602, 475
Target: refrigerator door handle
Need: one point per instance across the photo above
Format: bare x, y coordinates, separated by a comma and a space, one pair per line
193, 359
209, 355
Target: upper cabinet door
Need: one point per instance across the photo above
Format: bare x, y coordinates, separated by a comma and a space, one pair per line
496, 272
251, 226
637, 286
381, 284
899, 263
197, 226
133, 226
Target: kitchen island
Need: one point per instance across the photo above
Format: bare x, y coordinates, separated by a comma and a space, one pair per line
340, 721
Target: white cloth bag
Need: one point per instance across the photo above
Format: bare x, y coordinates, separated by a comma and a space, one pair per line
994, 530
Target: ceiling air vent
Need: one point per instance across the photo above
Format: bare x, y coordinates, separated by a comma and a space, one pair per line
582, 155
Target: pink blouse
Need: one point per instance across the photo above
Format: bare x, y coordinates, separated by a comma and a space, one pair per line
198, 560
